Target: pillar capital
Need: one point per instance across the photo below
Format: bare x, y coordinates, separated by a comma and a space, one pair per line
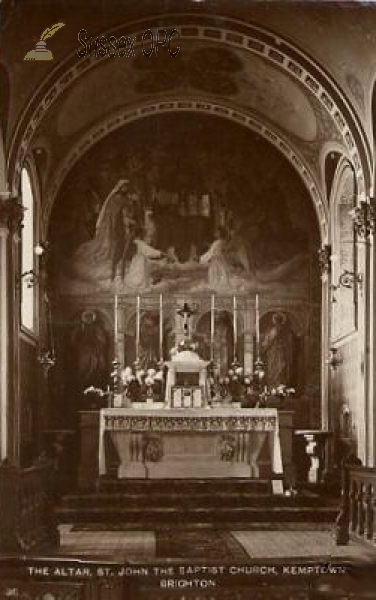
11, 212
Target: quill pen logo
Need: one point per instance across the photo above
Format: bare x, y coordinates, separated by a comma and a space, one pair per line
40, 51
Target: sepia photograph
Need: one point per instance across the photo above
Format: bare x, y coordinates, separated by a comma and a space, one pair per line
187, 299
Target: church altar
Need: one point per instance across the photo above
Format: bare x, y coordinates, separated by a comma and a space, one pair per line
217, 442
196, 432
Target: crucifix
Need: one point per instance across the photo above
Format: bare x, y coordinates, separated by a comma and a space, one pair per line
185, 313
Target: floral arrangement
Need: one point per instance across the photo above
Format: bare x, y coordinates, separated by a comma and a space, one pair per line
97, 395
152, 448
138, 382
96, 391
282, 391
185, 344
242, 384
235, 383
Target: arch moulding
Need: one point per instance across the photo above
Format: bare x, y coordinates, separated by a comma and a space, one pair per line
198, 106
220, 30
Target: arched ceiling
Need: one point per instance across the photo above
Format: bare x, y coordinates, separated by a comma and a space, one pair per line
270, 83
200, 68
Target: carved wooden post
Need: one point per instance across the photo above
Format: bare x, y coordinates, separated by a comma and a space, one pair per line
369, 512
343, 518
360, 503
353, 505
27, 502
8, 507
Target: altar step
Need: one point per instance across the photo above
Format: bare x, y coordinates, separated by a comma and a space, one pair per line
183, 486
225, 504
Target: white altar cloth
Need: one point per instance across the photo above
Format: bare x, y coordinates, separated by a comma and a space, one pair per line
263, 422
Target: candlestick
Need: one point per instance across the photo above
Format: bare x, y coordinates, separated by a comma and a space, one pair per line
137, 327
257, 327
212, 315
116, 322
235, 326
160, 327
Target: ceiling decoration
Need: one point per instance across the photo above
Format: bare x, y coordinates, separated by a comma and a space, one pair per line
356, 89
207, 70
247, 79
247, 41
231, 68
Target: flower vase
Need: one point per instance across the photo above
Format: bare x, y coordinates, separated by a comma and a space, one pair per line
117, 400
127, 403
110, 400
227, 400
149, 396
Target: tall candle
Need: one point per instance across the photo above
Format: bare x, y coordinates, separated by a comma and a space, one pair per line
235, 325
212, 315
257, 327
116, 320
160, 326
137, 327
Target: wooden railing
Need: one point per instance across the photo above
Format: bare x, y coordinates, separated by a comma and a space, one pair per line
358, 508
362, 497
27, 507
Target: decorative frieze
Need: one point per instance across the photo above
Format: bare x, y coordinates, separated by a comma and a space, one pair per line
263, 421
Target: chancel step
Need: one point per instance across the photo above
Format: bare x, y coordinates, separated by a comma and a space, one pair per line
225, 503
191, 486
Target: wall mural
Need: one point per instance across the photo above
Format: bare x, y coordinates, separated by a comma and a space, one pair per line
174, 205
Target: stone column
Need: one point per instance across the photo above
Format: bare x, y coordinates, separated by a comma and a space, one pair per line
370, 348
11, 214
325, 345
361, 415
4, 358
326, 340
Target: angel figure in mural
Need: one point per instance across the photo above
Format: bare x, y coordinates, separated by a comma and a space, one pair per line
126, 236
219, 270
239, 253
141, 255
98, 258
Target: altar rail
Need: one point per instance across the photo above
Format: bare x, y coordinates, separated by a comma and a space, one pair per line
362, 504
357, 516
27, 508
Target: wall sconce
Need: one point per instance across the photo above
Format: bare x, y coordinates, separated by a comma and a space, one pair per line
348, 279
47, 360
333, 359
30, 277
364, 218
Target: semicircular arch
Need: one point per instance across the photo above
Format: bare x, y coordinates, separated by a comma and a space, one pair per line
224, 111
220, 30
